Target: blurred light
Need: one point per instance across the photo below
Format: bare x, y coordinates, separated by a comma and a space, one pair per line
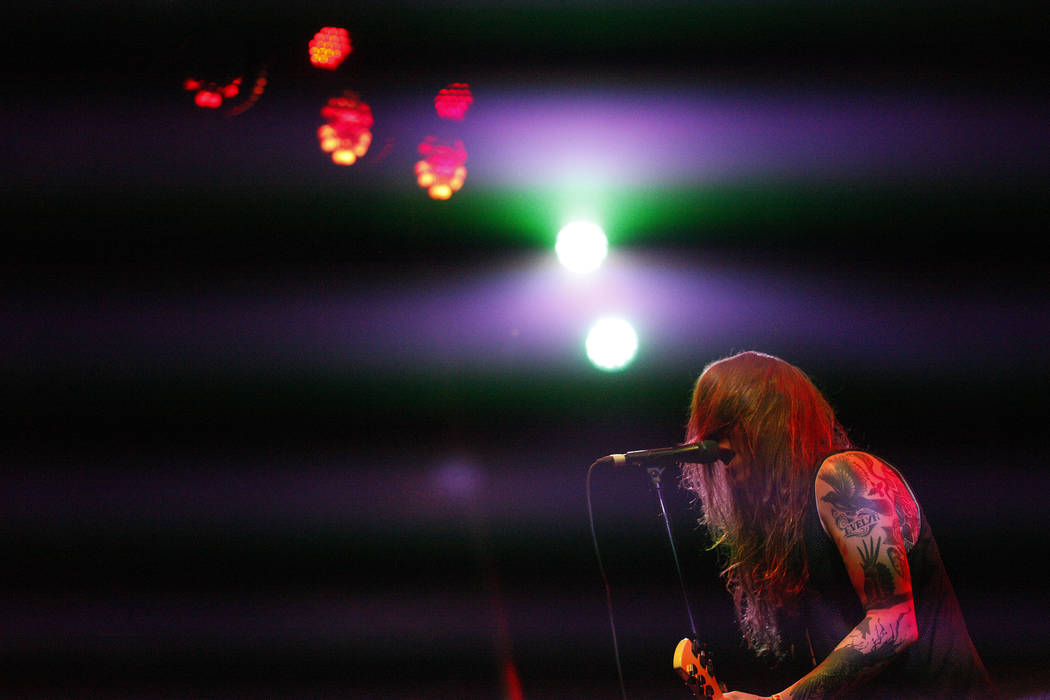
442, 170
611, 344
207, 99
457, 479
330, 47
581, 246
453, 101
511, 680
258, 88
210, 95
348, 131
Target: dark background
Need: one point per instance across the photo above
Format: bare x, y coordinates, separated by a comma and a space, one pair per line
273, 428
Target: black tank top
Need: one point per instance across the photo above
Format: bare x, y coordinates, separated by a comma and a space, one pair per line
942, 663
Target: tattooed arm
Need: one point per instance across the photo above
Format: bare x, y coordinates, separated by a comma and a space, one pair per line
873, 520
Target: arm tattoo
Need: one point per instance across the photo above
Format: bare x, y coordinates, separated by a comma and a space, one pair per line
855, 514
879, 587
896, 560
872, 525
870, 645
859, 493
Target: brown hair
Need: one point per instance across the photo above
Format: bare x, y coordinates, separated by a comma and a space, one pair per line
781, 427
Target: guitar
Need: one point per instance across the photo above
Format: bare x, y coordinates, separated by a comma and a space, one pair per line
694, 666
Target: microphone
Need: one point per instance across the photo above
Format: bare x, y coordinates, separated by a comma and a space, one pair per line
706, 452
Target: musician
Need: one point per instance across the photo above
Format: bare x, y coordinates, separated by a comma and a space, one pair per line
827, 553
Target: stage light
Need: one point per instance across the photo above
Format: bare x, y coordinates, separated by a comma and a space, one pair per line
442, 170
330, 47
210, 95
348, 131
611, 344
258, 88
208, 99
581, 246
453, 101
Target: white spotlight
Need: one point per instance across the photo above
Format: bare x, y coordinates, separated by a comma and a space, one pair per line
581, 246
611, 344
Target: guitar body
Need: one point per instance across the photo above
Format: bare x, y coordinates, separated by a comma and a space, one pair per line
695, 668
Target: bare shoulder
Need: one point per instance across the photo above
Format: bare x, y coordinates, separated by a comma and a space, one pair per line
856, 492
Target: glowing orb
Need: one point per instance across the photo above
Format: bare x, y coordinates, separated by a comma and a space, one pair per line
581, 246
453, 101
611, 344
329, 47
348, 131
442, 170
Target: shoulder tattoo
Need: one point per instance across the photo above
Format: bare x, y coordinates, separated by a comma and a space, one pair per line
861, 492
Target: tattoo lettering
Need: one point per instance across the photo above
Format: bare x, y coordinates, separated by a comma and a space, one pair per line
860, 493
857, 524
855, 514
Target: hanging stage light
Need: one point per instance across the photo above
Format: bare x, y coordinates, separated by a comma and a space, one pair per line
210, 95
224, 70
452, 102
348, 131
330, 47
442, 170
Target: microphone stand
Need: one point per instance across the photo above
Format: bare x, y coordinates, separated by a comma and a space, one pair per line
655, 472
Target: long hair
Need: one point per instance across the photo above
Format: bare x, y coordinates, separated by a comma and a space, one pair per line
780, 426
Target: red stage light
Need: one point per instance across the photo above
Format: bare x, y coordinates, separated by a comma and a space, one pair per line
330, 47
257, 90
208, 99
442, 170
210, 95
348, 131
233, 89
453, 101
